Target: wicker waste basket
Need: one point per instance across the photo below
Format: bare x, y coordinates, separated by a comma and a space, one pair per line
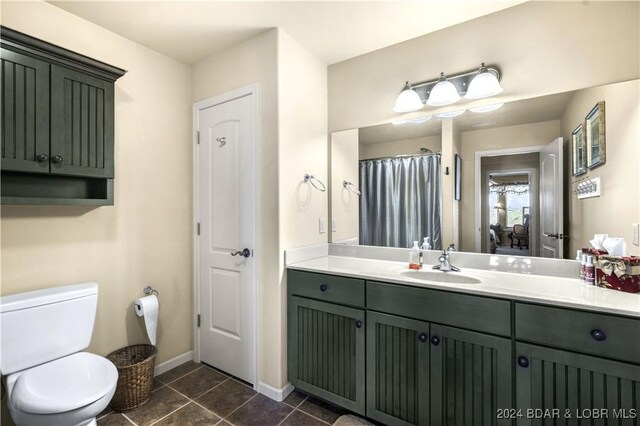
135, 366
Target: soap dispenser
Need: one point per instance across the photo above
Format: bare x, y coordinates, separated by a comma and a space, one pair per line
425, 244
414, 257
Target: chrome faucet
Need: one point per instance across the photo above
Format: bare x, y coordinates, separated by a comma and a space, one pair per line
445, 265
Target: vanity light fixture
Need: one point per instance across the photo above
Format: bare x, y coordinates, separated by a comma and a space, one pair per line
478, 83
443, 93
415, 120
483, 85
451, 114
408, 100
486, 108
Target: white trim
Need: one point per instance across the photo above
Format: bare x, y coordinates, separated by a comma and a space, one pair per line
173, 363
534, 210
248, 90
275, 393
478, 181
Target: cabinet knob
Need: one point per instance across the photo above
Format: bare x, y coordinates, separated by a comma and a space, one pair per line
435, 340
358, 324
523, 362
598, 335
422, 337
42, 158
323, 287
57, 159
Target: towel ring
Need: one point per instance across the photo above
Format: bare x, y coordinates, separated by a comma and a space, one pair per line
315, 182
351, 187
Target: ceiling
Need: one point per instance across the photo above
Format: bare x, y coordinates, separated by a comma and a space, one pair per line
334, 31
534, 110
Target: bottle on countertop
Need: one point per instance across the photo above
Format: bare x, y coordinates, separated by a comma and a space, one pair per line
415, 257
589, 271
425, 244
579, 259
583, 263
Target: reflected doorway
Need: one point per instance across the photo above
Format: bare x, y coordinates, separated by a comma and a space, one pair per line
509, 204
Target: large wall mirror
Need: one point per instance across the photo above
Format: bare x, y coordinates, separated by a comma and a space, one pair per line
520, 191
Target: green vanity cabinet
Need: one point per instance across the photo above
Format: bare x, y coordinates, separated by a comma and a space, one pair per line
471, 377
57, 124
397, 369
326, 351
549, 379
441, 358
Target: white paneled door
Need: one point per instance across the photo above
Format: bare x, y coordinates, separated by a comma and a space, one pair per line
551, 208
226, 204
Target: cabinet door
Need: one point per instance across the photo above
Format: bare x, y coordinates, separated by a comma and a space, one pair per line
326, 351
81, 124
25, 113
548, 379
397, 370
471, 377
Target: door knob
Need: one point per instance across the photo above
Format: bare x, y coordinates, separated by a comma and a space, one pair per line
244, 253
42, 158
556, 235
57, 159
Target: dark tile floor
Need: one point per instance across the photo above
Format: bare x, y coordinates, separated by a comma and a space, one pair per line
195, 394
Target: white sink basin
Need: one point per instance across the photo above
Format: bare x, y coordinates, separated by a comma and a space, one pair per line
442, 277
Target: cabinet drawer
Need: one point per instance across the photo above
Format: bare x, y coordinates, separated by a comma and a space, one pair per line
460, 310
599, 334
330, 288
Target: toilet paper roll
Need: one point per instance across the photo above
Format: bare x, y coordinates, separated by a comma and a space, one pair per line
147, 307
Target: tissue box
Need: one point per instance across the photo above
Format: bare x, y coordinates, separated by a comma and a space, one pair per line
618, 272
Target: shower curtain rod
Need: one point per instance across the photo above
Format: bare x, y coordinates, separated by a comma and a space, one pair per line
402, 156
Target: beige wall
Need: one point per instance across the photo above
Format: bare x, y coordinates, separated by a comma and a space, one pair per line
345, 205
528, 42
524, 135
619, 204
400, 147
302, 127
145, 239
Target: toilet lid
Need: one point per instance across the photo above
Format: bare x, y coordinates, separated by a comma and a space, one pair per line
64, 384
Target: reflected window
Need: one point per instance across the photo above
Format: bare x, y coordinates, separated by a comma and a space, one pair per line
516, 205
493, 212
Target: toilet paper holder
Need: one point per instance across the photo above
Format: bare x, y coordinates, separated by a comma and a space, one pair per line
150, 290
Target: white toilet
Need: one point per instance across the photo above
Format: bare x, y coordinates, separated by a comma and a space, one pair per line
49, 381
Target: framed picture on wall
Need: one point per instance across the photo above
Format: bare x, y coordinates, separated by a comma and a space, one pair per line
578, 151
457, 176
595, 136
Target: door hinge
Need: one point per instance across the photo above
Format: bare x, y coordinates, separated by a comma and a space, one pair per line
198, 320
198, 137
198, 228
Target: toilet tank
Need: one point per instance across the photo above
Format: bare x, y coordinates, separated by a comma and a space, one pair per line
43, 325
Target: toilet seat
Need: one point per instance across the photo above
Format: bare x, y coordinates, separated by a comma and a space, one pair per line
65, 384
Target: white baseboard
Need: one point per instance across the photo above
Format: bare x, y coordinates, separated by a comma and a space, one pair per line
172, 363
275, 393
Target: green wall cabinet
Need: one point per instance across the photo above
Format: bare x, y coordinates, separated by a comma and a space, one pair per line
57, 124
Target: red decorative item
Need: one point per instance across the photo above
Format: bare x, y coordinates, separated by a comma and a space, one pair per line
618, 272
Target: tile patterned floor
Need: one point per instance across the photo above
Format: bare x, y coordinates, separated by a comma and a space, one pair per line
195, 394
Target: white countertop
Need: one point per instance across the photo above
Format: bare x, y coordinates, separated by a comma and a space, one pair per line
534, 288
